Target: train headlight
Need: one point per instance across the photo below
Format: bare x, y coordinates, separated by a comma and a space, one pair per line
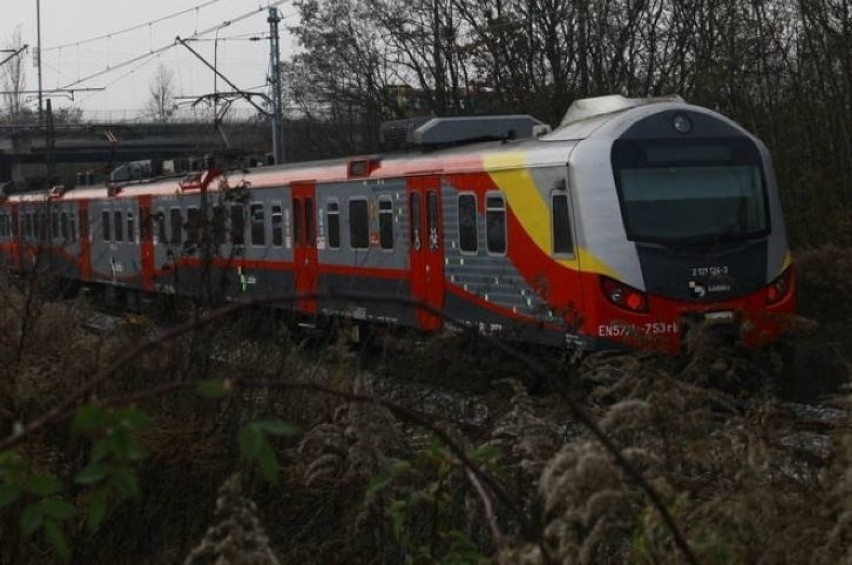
681, 123
624, 296
779, 288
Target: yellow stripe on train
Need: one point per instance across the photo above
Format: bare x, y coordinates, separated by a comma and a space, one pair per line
511, 174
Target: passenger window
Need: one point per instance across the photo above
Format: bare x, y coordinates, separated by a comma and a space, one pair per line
297, 223
414, 222
333, 210
72, 226
176, 226
131, 228
63, 225
563, 241
359, 224
468, 238
54, 225
160, 218
258, 225
238, 225
193, 225
105, 231
386, 223
432, 220
118, 227
495, 224
277, 226
38, 226
219, 229
310, 223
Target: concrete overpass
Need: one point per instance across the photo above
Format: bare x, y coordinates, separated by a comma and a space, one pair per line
24, 150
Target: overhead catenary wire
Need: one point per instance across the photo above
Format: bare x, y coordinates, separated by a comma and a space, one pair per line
131, 28
159, 50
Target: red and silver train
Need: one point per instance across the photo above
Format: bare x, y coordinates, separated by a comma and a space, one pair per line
631, 222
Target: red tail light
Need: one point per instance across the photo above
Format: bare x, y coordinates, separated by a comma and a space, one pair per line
779, 288
624, 296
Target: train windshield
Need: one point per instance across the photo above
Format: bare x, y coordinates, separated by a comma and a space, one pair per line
691, 190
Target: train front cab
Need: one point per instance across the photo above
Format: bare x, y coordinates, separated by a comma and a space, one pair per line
702, 236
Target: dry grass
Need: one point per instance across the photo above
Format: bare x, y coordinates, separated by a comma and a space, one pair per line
748, 478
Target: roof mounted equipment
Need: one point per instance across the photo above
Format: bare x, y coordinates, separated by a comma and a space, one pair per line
458, 130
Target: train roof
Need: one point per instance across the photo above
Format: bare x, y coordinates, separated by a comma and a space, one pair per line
586, 116
484, 156
583, 119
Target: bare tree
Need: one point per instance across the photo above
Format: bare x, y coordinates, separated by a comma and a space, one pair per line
14, 80
161, 92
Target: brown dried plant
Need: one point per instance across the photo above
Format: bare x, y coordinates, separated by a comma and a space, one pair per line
236, 537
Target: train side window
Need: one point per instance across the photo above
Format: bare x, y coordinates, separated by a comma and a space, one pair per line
175, 226
193, 225
359, 224
432, 220
297, 222
118, 227
563, 241
386, 223
131, 227
495, 225
72, 226
54, 225
63, 226
310, 223
415, 241
468, 237
258, 224
160, 218
238, 225
28, 226
333, 213
105, 231
219, 228
277, 225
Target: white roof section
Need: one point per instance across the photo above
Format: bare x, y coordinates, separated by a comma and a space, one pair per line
592, 107
588, 114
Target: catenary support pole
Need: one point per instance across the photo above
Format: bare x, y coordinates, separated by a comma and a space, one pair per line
275, 78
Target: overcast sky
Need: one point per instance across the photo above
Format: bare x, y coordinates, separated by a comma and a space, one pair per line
70, 23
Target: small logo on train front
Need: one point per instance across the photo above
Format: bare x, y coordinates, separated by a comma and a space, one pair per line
718, 279
698, 290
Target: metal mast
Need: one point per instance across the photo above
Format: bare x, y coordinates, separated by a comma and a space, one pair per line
275, 70
40, 96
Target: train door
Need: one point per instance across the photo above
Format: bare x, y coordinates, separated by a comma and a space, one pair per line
306, 269
146, 242
85, 241
426, 248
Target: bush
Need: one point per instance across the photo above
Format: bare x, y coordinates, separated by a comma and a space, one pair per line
824, 274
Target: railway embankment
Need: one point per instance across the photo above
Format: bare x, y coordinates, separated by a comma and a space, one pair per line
418, 451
